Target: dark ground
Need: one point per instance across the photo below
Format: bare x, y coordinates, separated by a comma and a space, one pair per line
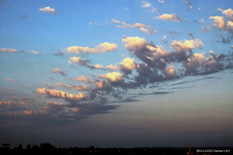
46, 148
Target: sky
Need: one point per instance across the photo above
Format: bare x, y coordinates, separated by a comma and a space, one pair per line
117, 73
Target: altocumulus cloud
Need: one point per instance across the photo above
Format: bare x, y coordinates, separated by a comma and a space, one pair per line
147, 64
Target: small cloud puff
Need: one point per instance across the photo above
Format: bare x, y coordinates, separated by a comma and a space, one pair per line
48, 10
169, 17
58, 70
35, 52
146, 4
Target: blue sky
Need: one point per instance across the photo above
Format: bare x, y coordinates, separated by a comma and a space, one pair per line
116, 73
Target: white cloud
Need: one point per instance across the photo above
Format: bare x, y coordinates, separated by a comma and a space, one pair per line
112, 67
96, 66
171, 17
34, 52
48, 10
228, 13
83, 78
78, 60
60, 94
142, 27
113, 76
186, 45
164, 39
8, 50
219, 22
161, 1
128, 64
103, 47
230, 24
146, 4
134, 43
82, 87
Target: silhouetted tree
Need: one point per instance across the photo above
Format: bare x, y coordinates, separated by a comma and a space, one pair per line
35, 148
29, 147
20, 147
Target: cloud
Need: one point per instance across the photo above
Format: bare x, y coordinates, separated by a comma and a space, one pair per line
60, 94
98, 83
190, 34
75, 110
34, 52
146, 4
57, 70
186, 45
84, 62
103, 47
127, 65
53, 103
48, 10
53, 108
116, 21
83, 78
113, 76
230, 24
5, 103
82, 87
170, 17
78, 60
228, 13
134, 43
219, 22
158, 63
96, 66
161, 1
170, 71
10, 80
8, 50
26, 112
98, 23
164, 39
201, 21
197, 63
112, 67
188, 4
142, 27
